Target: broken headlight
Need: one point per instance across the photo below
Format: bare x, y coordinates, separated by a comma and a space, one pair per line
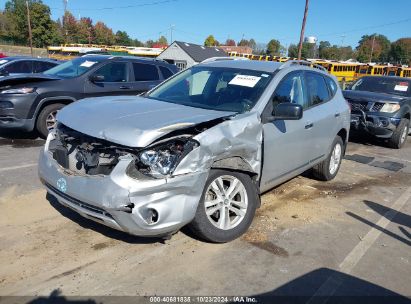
161, 160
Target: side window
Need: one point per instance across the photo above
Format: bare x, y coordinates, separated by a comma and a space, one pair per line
113, 72
332, 86
316, 89
290, 89
39, 66
22, 66
166, 72
145, 72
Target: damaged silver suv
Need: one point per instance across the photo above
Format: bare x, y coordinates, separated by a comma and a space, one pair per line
198, 149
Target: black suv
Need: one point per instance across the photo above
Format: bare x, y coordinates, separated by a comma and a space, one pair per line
31, 101
10, 66
381, 106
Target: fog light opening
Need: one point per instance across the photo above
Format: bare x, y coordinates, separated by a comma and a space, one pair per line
152, 216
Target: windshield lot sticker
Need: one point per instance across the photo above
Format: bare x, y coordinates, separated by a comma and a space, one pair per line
88, 64
3, 61
245, 80
402, 86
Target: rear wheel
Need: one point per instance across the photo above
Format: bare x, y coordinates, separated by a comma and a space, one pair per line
328, 168
226, 208
399, 136
47, 119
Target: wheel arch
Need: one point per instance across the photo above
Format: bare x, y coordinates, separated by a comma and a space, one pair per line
52, 100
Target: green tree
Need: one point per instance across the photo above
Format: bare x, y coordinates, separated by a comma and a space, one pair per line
70, 28
305, 51
7, 26
42, 26
85, 30
273, 47
378, 44
162, 41
137, 43
252, 44
122, 38
401, 51
210, 41
104, 34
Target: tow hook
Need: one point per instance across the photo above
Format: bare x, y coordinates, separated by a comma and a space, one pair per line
126, 208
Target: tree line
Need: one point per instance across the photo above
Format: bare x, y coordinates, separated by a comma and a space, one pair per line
68, 29
374, 48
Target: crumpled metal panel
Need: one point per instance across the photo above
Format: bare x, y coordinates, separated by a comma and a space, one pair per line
240, 136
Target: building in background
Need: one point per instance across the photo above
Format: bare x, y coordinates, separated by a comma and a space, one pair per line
185, 55
236, 49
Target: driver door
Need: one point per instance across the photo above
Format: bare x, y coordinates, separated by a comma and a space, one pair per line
287, 143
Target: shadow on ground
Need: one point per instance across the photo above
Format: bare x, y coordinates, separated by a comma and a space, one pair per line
325, 285
394, 216
20, 139
100, 228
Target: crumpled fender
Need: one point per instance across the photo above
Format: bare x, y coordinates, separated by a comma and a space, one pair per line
240, 136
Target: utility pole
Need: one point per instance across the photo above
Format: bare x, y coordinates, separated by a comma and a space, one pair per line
29, 25
372, 47
171, 33
300, 46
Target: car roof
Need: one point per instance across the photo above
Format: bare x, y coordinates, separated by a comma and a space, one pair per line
263, 66
14, 58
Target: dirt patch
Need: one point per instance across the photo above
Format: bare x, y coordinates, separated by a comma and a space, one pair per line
69, 272
100, 246
260, 240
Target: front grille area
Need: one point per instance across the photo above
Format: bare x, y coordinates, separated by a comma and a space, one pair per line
377, 106
362, 106
79, 203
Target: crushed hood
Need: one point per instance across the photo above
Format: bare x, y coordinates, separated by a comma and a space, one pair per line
21, 79
130, 120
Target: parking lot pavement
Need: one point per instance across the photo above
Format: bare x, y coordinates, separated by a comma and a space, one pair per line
350, 236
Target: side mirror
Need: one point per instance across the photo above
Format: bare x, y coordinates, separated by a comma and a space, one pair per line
288, 111
97, 78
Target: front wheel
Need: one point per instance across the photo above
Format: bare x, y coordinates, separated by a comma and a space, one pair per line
399, 136
328, 168
47, 119
226, 208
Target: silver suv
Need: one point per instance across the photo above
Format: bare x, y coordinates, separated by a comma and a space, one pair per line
199, 149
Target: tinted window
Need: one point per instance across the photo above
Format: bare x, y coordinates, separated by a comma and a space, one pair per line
290, 89
75, 67
23, 66
39, 66
166, 72
145, 72
113, 72
332, 85
316, 89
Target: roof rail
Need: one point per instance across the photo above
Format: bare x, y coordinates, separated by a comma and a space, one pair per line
302, 62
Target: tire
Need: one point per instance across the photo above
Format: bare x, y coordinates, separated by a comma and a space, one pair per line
206, 226
42, 126
399, 136
328, 168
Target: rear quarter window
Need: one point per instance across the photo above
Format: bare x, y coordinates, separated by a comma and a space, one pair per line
166, 72
145, 72
332, 86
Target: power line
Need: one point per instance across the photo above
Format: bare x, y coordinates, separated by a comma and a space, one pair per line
120, 7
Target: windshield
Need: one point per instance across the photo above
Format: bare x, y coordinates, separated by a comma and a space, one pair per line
73, 68
384, 85
221, 89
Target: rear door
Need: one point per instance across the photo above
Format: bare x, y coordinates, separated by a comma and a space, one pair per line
145, 77
116, 80
322, 114
18, 67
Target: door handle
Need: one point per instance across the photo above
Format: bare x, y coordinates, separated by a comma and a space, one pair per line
125, 88
337, 115
309, 125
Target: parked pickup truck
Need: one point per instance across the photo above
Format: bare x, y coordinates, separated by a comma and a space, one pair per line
381, 106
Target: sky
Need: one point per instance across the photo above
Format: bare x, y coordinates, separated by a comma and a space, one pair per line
341, 22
